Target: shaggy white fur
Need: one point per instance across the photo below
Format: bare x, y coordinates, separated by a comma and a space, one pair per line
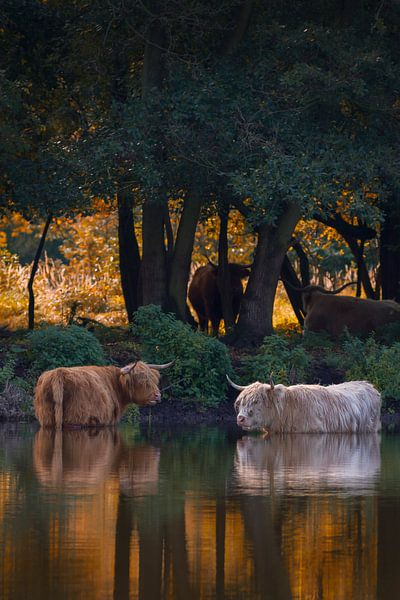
350, 407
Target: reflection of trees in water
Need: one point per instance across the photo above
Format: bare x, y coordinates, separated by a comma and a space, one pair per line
328, 543
131, 520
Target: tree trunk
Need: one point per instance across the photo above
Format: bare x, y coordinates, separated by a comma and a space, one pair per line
236, 35
362, 271
35, 265
390, 258
255, 320
288, 274
154, 264
129, 257
304, 263
223, 275
182, 255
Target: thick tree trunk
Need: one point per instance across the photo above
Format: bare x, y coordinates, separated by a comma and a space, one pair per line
129, 257
223, 275
255, 320
182, 255
35, 265
154, 264
390, 258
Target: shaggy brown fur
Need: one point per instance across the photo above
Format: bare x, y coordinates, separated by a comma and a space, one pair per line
334, 314
83, 459
205, 297
71, 458
93, 396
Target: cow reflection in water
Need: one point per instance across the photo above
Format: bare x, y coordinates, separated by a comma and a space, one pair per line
135, 534
300, 463
313, 496
85, 459
75, 459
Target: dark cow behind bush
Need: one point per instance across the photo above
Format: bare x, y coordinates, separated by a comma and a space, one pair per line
205, 297
94, 396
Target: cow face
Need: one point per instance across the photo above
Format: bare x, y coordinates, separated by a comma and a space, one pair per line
258, 405
140, 383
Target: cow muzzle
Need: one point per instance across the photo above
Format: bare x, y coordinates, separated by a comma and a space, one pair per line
157, 399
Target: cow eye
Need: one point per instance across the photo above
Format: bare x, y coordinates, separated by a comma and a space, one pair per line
250, 413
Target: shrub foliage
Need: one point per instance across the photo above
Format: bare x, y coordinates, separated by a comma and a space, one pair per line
201, 362
71, 346
287, 362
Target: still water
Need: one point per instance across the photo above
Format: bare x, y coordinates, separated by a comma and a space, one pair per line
198, 514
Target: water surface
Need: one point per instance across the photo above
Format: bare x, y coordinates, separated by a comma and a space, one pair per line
198, 513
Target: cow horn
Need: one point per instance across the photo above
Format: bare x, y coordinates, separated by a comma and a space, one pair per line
271, 382
341, 288
161, 367
128, 368
235, 385
316, 288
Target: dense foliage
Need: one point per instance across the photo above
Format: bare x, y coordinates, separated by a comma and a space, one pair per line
52, 347
201, 362
280, 358
283, 110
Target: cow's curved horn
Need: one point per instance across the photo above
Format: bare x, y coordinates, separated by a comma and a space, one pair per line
341, 288
160, 367
235, 385
128, 368
316, 288
307, 288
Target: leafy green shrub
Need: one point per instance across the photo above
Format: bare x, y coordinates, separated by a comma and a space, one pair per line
388, 334
70, 346
7, 370
287, 362
375, 363
131, 414
201, 362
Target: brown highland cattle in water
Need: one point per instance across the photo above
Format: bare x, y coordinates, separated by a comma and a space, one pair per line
94, 396
360, 316
205, 298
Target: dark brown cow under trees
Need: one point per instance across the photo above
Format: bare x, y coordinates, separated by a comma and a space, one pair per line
325, 311
94, 396
205, 297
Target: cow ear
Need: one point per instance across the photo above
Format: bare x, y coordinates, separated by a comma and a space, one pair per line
128, 368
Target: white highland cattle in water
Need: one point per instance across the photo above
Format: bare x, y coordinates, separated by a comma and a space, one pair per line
351, 407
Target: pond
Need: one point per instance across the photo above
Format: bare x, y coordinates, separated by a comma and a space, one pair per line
198, 513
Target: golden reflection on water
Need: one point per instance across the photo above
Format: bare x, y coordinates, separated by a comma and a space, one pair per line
90, 515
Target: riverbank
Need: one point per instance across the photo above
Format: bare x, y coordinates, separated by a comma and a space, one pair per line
16, 407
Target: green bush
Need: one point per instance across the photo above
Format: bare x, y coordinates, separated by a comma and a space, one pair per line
70, 346
201, 362
7, 370
287, 362
375, 363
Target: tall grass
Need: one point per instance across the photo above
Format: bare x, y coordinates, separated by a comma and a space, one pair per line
60, 291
